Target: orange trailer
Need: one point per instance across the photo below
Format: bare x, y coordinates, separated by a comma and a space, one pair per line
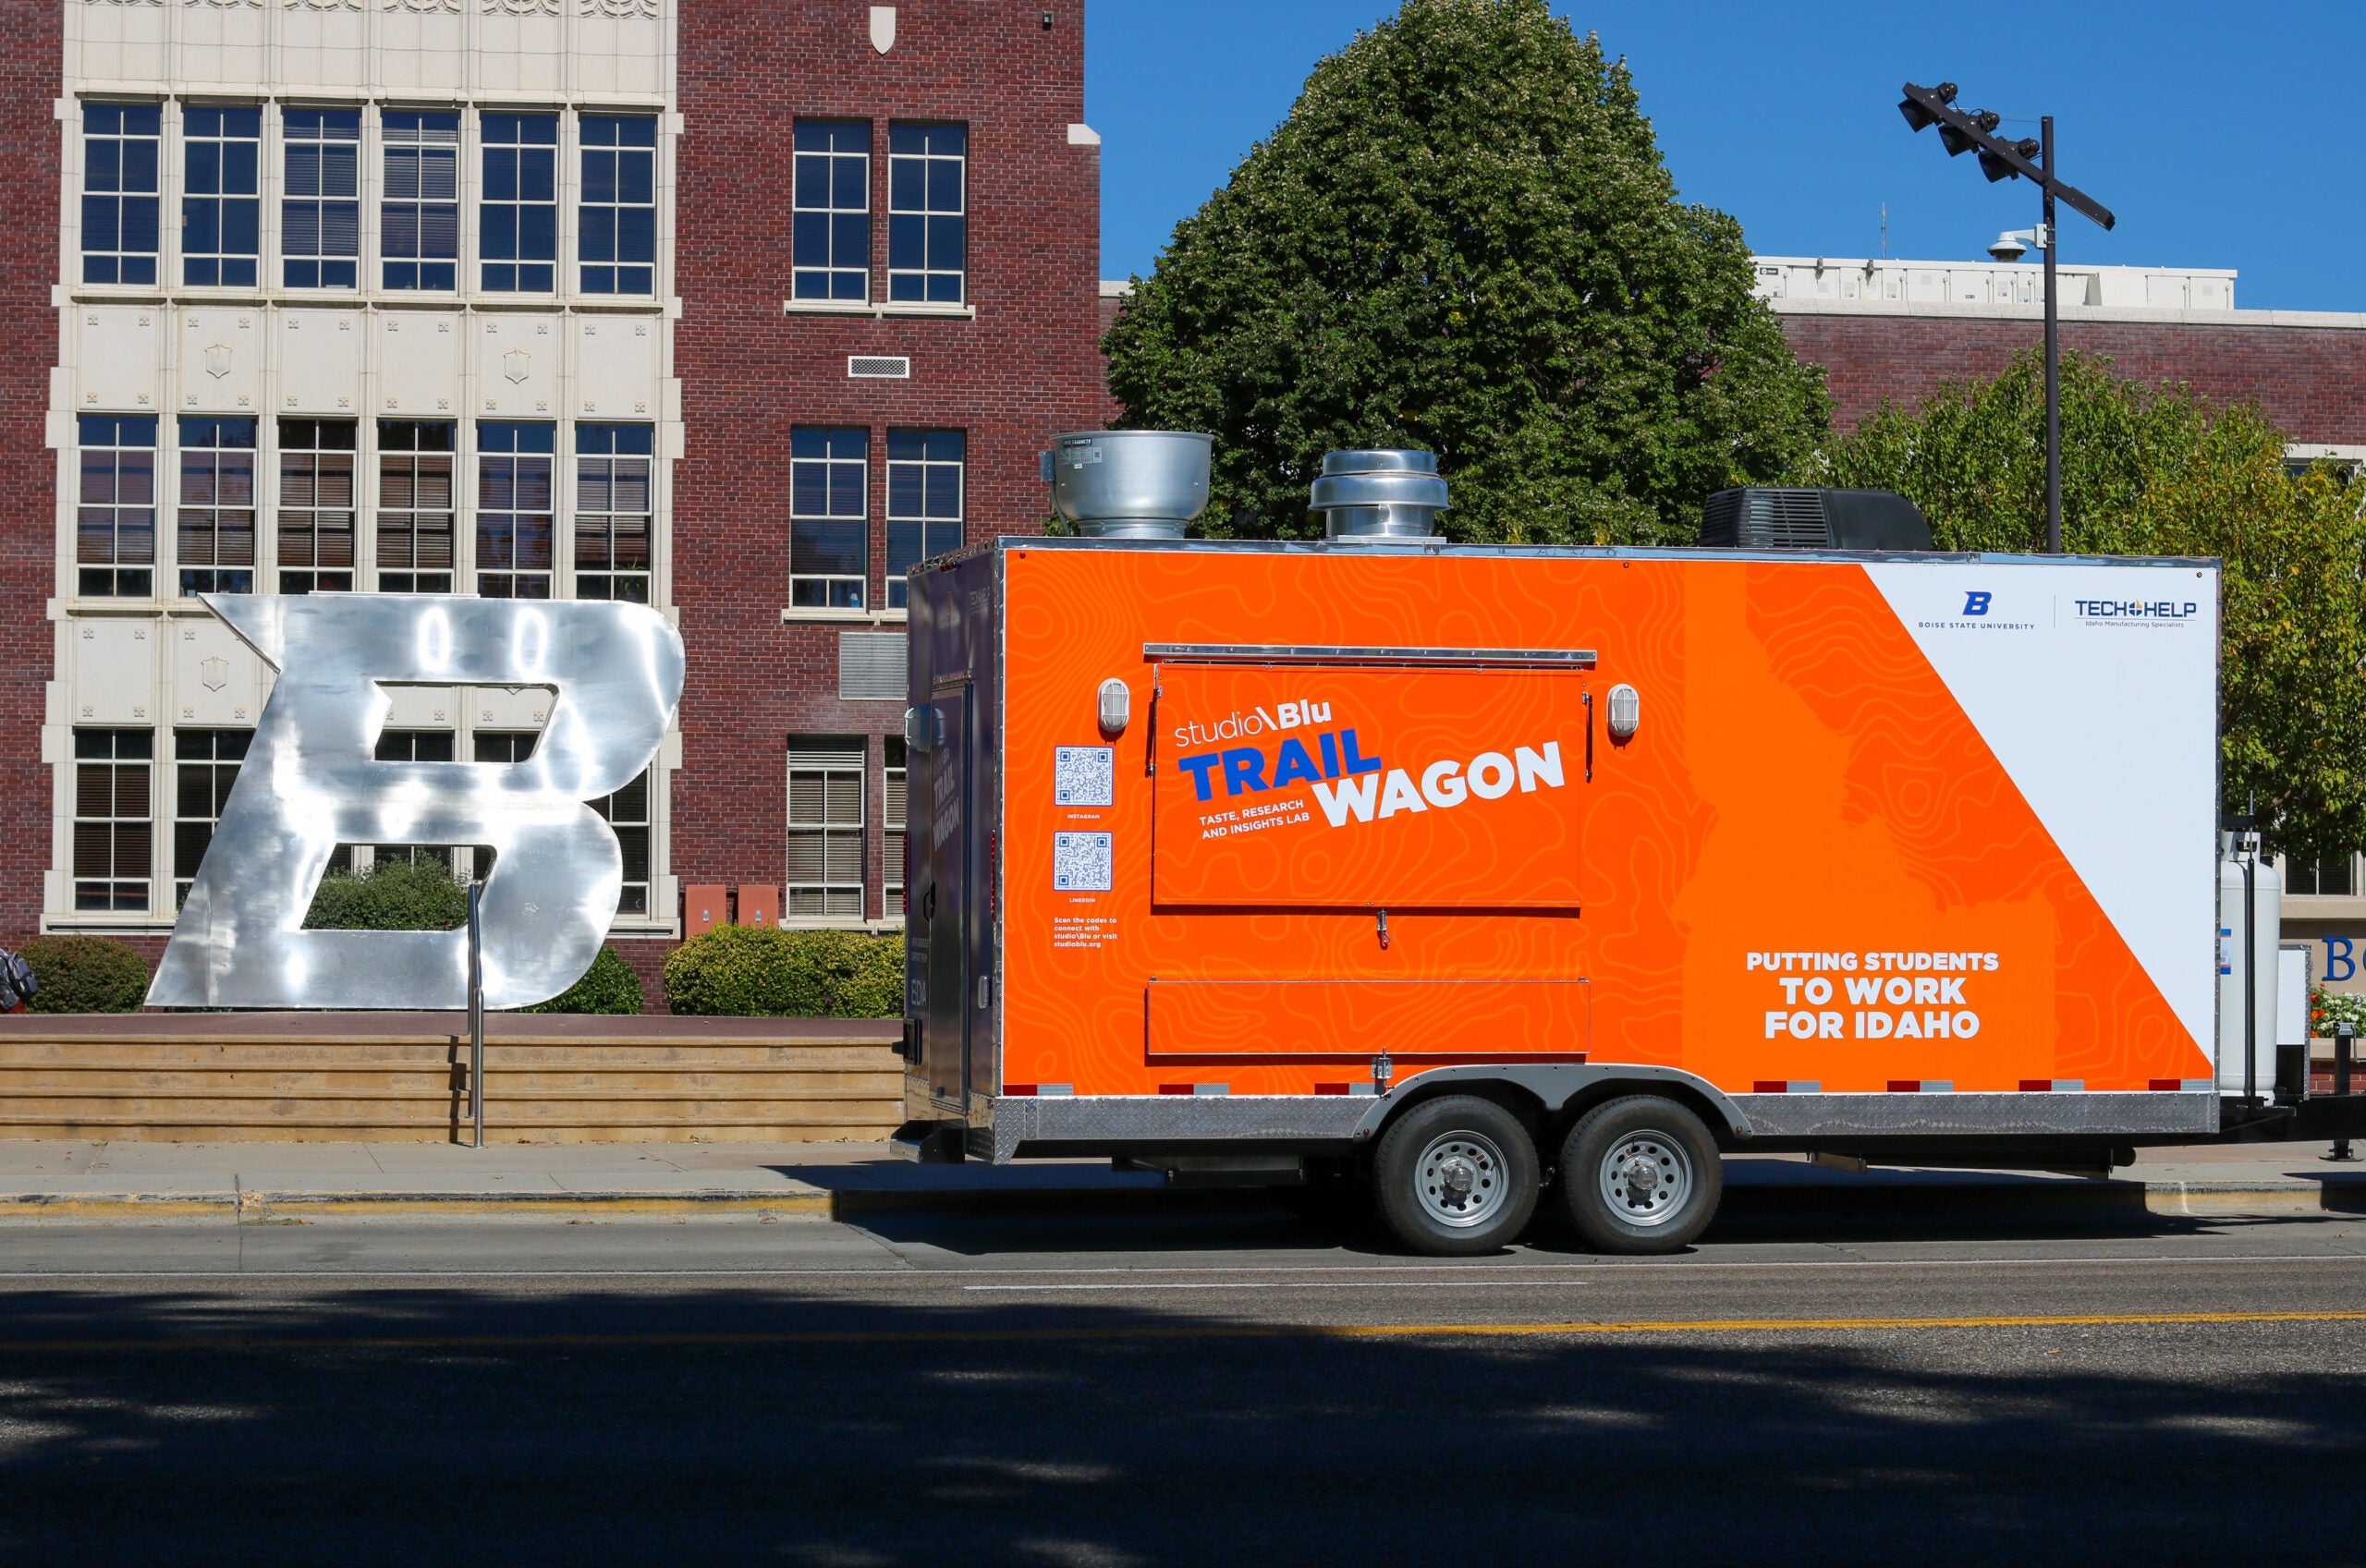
1449, 867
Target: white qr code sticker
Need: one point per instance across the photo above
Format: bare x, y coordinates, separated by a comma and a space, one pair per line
1084, 775
1080, 863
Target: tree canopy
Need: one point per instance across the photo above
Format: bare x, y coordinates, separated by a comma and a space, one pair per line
2159, 471
1463, 239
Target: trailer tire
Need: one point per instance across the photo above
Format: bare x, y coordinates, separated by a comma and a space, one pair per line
1641, 1174
1456, 1177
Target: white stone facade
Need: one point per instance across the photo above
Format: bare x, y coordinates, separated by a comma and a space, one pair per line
570, 357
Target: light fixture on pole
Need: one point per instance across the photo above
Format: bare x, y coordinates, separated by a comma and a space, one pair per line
2032, 159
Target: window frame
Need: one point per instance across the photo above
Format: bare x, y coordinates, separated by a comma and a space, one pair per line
927, 465
827, 468
819, 250
292, 200
894, 826
928, 223
217, 775
128, 579
228, 206
137, 829
108, 159
412, 576
213, 574
505, 531
406, 263
837, 771
517, 206
312, 567
588, 246
597, 443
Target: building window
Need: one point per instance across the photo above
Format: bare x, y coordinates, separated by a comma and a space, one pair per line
518, 218
315, 505
413, 746
618, 242
418, 237
218, 509
928, 209
893, 823
205, 764
514, 519
828, 531
414, 507
924, 474
825, 829
119, 165
320, 216
114, 525
221, 210
114, 837
498, 746
830, 240
2323, 876
627, 813
612, 511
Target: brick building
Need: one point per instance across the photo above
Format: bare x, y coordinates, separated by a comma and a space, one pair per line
731, 307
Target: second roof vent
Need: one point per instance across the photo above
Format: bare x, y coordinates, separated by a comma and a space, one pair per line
1379, 494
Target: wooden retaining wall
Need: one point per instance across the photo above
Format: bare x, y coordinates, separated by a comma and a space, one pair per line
404, 1077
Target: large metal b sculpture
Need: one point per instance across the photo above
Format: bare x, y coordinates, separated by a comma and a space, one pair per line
311, 783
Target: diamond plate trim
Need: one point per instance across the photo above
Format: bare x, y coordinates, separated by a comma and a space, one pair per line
1861, 1115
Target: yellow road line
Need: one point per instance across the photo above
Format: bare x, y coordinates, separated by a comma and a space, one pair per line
1176, 1331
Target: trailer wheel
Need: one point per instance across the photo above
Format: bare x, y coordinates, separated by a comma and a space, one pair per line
1455, 1176
1641, 1174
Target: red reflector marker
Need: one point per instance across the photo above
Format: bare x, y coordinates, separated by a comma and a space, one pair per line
1018, 1088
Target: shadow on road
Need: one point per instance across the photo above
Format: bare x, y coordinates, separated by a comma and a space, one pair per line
579, 1425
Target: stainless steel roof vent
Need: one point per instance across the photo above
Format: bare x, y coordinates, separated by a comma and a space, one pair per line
1129, 484
1379, 494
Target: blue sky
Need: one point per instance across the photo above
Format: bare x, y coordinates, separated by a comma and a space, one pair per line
2214, 133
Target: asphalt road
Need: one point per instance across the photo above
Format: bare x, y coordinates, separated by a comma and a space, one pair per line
1224, 1384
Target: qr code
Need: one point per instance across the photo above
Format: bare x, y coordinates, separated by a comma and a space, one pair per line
1080, 863
1084, 775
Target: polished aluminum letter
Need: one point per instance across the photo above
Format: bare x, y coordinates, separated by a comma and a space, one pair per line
311, 783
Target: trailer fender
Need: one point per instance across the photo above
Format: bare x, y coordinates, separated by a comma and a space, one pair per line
1554, 1085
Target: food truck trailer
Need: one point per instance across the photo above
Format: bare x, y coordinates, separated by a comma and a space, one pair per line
1481, 872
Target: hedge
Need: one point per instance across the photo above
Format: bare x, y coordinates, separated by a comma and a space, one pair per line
392, 896
608, 985
86, 974
758, 972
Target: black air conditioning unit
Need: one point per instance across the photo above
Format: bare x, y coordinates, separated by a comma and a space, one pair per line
1762, 517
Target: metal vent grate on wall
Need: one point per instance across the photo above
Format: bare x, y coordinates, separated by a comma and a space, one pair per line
870, 667
879, 367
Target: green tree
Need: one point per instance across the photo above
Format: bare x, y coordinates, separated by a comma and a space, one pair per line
1462, 239
2159, 471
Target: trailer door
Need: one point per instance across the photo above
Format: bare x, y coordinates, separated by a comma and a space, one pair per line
949, 864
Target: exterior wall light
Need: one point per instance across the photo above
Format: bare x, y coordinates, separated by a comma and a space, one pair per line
1625, 712
1115, 703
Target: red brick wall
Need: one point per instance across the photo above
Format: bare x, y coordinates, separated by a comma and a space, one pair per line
2311, 381
1026, 366
31, 64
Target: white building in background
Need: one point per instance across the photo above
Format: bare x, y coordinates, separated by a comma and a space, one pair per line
1870, 282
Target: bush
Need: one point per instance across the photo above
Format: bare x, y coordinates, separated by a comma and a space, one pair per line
755, 972
86, 974
392, 896
608, 985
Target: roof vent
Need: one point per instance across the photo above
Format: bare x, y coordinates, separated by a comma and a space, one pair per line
1129, 484
1379, 494
1762, 517
879, 367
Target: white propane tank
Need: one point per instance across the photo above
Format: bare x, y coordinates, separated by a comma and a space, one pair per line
2253, 963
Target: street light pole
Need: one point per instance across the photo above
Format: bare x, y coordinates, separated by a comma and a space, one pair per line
2033, 160
2052, 356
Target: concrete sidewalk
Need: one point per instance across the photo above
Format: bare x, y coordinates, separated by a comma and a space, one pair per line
81, 1181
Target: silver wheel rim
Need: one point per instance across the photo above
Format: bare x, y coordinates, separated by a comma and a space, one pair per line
1646, 1178
1460, 1180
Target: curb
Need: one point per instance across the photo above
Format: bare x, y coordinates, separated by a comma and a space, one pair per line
1951, 1204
